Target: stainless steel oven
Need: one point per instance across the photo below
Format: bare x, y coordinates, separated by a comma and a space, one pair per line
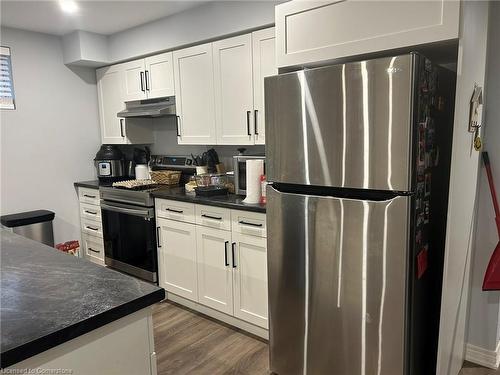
240, 171
129, 232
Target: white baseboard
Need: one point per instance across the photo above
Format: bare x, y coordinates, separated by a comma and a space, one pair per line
253, 329
483, 357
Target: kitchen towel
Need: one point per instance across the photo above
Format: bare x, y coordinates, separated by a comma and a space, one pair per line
255, 168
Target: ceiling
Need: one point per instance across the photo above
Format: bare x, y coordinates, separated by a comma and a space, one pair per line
103, 17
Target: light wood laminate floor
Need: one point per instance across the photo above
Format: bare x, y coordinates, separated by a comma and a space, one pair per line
190, 343
187, 342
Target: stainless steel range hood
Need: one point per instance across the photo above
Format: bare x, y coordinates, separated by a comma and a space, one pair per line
150, 108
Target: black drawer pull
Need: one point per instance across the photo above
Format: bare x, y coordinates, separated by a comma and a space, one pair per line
91, 212
255, 122
94, 251
176, 211
91, 228
211, 217
89, 196
233, 251
226, 263
252, 224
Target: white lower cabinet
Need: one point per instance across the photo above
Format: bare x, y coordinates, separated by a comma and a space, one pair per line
92, 245
250, 279
215, 285
177, 258
223, 268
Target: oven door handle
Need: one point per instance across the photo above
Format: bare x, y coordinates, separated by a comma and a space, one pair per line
125, 209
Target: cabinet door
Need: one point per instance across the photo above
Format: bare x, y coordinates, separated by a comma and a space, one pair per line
194, 92
264, 65
308, 32
177, 258
110, 97
215, 284
250, 279
233, 90
159, 75
135, 87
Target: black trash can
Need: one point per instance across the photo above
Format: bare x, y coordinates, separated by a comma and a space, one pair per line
36, 225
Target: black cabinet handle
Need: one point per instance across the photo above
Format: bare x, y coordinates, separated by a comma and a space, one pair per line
146, 74
142, 81
248, 122
91, 212
94, 251
176, 211
92, 228
226, 263
252, 224
211, 217
177, 125
233, 251
255, 121
121, 128
89, 196
158, 242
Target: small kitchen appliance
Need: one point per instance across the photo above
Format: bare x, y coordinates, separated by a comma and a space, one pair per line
240, 171
109, 162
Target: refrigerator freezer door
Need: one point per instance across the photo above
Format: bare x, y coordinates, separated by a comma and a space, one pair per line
337, 281
342, 125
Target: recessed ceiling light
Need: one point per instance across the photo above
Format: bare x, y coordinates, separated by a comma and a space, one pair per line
68, 6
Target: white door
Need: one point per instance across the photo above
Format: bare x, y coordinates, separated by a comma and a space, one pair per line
233, 90
110, 98
264, 65
215, 284
177, 258
135, 86
250, 279
194, 92
159, 75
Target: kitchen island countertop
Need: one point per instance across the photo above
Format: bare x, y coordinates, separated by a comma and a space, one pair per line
49, 297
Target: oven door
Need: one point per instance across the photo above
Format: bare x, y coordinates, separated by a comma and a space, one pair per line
130, 239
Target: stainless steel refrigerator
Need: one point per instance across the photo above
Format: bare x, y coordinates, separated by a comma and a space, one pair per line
358, 159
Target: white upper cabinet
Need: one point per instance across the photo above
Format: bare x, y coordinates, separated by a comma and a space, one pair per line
312, 31
159, 75
135, 87
110, 98
264, 65
194, 95
234, 90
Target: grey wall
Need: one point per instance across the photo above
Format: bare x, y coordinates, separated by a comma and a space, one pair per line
165, 135
484, 306
49, 140
205, 22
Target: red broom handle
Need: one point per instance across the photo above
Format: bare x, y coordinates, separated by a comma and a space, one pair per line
487, 165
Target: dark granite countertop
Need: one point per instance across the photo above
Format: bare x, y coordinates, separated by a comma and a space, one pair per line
94, 184
178, 193
233, 201
48, 297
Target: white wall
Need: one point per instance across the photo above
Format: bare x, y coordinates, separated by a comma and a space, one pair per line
49, 141
484, 306
463, 189
205, 22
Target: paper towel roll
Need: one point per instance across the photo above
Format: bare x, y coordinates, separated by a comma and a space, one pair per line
255, 168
